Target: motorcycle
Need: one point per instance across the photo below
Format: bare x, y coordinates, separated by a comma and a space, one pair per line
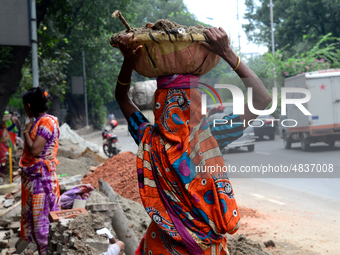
110, 145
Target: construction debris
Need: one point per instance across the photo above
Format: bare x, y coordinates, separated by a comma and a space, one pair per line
120, 222
242, 246
78, 236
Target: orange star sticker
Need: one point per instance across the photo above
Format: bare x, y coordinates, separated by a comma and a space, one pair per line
323, 87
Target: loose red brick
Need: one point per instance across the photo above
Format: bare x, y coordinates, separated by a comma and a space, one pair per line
93, 168
66, 214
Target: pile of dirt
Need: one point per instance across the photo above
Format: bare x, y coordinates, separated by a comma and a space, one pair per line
120, 172
66, 153
73, 165
161, 26
88, 153
243, 246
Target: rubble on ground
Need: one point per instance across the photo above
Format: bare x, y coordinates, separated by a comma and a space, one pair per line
77, 236
101, 205
240, 245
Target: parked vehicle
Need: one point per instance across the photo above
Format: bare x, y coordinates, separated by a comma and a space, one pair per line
110, 144
248, 138
265, 125
324, 123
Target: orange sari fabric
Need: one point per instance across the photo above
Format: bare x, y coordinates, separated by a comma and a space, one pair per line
168, 156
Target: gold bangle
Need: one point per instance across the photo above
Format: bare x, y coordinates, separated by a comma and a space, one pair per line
25, 131
124, 84
238, 64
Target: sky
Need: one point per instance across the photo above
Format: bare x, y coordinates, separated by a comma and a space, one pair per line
224, 14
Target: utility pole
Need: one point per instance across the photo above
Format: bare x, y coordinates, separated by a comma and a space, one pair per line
85, 90
34, 41
272, 30
238, 28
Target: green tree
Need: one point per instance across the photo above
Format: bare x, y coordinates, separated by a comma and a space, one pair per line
294, 21
13, 58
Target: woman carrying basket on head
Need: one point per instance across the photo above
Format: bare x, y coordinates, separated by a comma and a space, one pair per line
191, 210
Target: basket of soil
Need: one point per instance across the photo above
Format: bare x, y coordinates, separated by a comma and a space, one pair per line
169, 48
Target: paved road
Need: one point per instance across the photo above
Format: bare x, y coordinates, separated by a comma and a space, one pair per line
273, 153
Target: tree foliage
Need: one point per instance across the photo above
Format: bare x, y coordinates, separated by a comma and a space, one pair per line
70, 26
322, 56
294, 21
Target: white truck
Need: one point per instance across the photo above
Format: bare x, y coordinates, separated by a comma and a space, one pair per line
324, 123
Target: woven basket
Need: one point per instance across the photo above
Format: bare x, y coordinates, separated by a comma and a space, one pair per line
166, 54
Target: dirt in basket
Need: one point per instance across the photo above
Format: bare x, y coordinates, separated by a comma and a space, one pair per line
161, 26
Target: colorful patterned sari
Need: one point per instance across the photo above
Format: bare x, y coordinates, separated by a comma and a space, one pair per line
192, 210
40, 188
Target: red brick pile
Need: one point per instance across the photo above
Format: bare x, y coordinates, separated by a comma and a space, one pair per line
121, 173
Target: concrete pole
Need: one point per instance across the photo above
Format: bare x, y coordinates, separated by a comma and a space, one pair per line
34, 40
272, 30
120, 223
85, 90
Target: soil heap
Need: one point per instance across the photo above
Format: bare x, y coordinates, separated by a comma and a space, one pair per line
72, 164
120, 172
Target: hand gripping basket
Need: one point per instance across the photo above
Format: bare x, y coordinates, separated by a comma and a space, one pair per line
172, 52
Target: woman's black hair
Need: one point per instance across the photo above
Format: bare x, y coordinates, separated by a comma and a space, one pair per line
37, 98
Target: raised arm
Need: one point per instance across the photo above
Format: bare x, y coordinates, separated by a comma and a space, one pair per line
130, 53
219, 44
